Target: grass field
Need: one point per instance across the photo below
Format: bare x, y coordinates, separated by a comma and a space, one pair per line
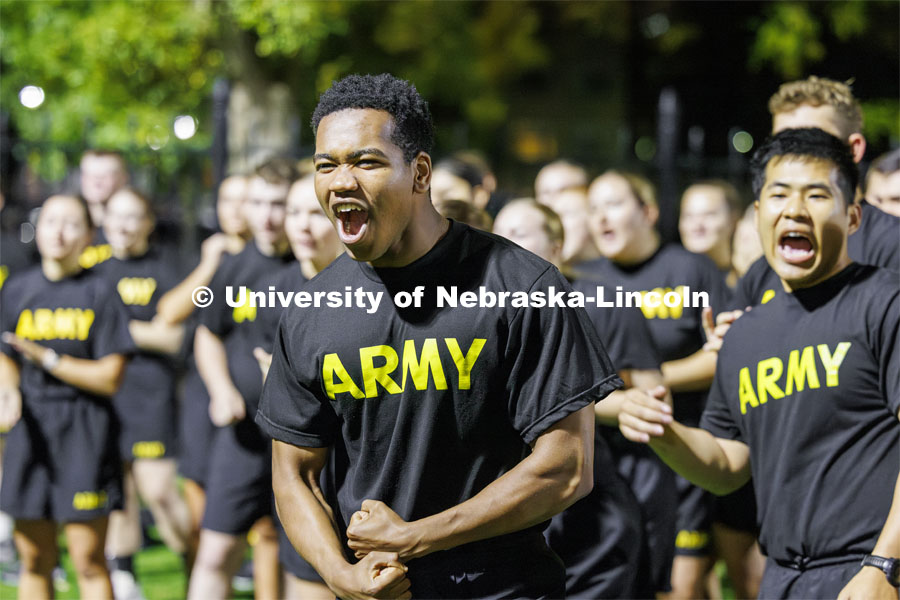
159, 571
161, 576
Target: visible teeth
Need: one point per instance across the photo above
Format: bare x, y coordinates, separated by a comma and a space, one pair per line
346, 208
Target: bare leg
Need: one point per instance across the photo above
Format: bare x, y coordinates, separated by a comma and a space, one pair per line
86, 549
195, 496
155, 482
124, 538
36, 544
743, 558
218, 559
689, 577
266, 569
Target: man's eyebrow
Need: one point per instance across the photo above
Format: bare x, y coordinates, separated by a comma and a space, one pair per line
353, 155
813, 186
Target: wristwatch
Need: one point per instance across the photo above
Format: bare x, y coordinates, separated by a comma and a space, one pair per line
50, 360
890, 567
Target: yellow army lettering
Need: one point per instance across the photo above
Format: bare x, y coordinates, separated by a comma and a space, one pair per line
801, 371
89, 500
417, 367
245, 311
653, 307
55, 324
153, 449
136, 290
4, 273
691, 540
94, 255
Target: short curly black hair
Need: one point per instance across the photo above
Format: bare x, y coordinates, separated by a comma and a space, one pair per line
806, 143
413, 131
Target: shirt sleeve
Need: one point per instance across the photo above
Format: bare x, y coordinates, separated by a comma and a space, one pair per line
217, 316
746, 292
717, 417
289, 409
556, 363
111, 335
886, 340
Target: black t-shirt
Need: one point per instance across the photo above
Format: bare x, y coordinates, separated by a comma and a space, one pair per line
80, 316
677, 332
876, 242
431, 404
236, 326
140, 282
14, 255
811, 383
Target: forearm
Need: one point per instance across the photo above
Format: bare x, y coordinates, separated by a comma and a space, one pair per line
176, 305
888, 544
101, 377
719, 466
211, 359
607, 410
690, 374
306, 517
9, 372
157, 336
554, 476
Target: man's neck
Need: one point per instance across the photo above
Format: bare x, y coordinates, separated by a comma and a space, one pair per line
424, 232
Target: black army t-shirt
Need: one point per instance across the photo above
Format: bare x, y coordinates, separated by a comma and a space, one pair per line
811, 383
236, 325
431, 404
140, 282
876, 242
677, 332
80, 316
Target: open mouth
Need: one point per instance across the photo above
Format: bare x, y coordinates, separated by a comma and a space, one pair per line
796, 247
353, 221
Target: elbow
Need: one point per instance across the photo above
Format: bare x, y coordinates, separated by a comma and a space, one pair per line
110, 384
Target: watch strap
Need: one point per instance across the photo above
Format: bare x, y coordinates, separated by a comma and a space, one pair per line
889, 566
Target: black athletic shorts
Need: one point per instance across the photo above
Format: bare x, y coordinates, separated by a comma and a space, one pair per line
292, 562
196, 431
519, 565
61, 462
737, 510
826, 582
239, 481
653, 484
696, 507
146, 427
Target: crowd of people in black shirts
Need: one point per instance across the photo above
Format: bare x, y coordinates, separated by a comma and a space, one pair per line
466, 453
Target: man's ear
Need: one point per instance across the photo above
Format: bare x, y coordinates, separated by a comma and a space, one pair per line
652, 213
854, 213
421, 173
857, 146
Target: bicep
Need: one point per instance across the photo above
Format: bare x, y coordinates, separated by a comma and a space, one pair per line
290, 461
571, 434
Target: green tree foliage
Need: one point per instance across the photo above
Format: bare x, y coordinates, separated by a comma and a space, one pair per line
115, 74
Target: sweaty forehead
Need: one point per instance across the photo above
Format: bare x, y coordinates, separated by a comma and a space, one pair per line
352, 129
